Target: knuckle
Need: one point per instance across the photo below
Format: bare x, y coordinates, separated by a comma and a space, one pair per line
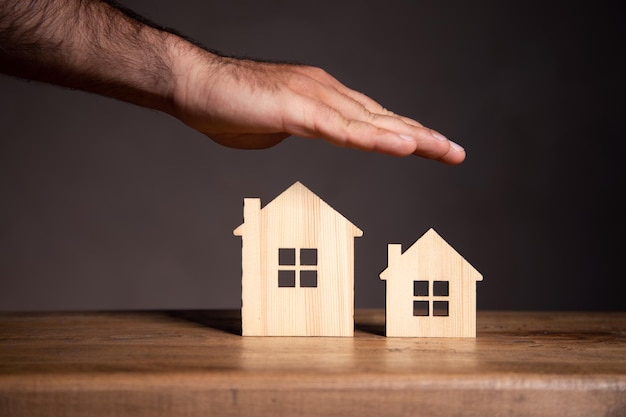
317, 72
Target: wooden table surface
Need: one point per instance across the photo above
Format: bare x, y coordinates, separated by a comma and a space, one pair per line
195, 363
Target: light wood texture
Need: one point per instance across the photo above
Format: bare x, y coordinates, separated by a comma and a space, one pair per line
194, 363
321, 300
434, 277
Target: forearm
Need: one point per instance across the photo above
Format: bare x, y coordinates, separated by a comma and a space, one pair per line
92, 46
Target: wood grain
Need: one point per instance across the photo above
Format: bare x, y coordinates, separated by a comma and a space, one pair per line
296, 220
428, 261
195, 363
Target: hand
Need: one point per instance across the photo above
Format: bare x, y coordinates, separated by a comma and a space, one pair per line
236, 102
251, 105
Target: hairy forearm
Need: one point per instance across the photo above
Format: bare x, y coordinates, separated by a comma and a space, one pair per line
96, 46
89, 45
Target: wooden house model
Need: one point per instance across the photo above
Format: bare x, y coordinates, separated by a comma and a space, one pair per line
297, 267
431, 290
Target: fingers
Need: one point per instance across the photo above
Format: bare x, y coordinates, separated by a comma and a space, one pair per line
348, 118
260, 104
455, 155
446, 151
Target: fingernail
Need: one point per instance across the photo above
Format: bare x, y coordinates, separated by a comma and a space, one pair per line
456, 147
438, 135
407, 137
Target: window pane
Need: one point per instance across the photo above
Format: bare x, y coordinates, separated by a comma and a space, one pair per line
308, 256
440, 288
286, 256
420, 308
286, 278
420, 288
440, 308
308, 279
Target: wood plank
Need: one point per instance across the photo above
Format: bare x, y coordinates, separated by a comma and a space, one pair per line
295, 221
195, 363
412, 295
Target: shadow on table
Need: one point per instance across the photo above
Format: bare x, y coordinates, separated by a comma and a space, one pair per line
371, 328
228, 321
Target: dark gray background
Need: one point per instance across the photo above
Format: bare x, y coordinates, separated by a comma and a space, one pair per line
105, 205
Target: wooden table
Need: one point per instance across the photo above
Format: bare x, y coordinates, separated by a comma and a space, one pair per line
195, 363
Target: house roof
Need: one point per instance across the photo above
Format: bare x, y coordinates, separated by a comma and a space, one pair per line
301, 197
431, 240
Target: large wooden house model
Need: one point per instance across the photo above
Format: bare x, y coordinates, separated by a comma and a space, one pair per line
297, 267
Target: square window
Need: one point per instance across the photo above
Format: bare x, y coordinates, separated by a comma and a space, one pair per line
308, 279
286, 256
440, 308
420, 288
420, 308
308, 256
441, 288
286, 279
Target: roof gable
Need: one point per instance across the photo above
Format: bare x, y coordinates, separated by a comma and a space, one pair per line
300, 198
432, 242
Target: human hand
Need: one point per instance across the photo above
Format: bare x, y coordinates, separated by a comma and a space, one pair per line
251, 105
236, 102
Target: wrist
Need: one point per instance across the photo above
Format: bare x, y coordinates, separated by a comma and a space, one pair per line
191, 67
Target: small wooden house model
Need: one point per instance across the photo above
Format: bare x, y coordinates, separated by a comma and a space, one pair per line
297, 267
431, 290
